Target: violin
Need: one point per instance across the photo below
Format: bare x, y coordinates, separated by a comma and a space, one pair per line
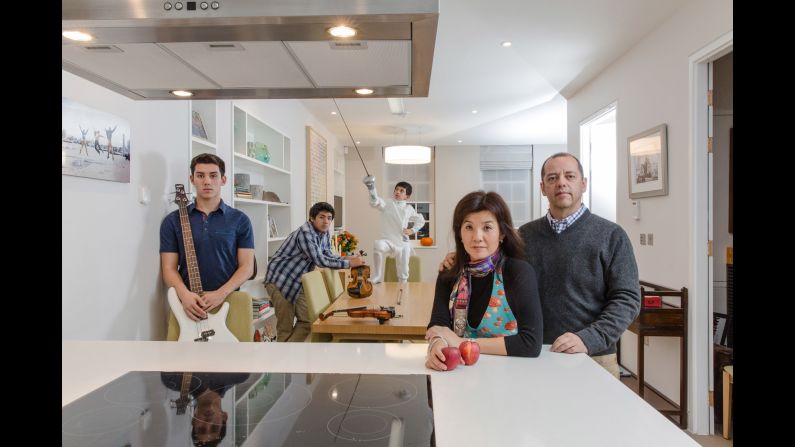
360, 285
383, 314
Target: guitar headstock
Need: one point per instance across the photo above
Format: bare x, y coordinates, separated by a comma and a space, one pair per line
180, 198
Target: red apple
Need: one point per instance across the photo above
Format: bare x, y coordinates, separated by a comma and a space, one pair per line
470, 351
452, 357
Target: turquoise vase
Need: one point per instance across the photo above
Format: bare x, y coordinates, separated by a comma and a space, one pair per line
262, 153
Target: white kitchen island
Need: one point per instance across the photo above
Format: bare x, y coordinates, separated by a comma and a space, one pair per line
554, 400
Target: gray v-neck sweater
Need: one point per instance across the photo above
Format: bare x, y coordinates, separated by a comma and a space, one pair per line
587, 279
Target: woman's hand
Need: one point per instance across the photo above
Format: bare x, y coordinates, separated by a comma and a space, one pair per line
444, 332
435, 359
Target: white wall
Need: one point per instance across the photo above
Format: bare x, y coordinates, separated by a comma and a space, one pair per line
111, 286
360, 219
111, 283
650, 84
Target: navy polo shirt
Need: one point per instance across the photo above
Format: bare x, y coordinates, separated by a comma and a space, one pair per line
216, 238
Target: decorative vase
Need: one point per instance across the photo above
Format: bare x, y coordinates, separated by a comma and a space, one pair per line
261, 152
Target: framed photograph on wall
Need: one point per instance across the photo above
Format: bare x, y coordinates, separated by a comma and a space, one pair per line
94, 143
648, 163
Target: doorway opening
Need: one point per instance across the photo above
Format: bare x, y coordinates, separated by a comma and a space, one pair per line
598, 158
722, 124
701, 229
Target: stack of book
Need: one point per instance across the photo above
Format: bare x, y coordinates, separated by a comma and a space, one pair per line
259, 307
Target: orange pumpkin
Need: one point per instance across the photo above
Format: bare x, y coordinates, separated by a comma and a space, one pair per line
426, 241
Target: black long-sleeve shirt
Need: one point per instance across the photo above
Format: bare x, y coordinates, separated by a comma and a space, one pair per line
521, 291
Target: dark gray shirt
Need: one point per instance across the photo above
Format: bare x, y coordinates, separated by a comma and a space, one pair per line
587, 279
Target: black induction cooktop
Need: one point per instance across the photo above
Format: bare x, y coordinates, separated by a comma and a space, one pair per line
253, 409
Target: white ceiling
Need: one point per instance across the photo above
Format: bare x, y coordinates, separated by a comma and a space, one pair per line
558, 46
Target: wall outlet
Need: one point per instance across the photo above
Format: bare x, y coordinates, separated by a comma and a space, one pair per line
650, 238
643, 239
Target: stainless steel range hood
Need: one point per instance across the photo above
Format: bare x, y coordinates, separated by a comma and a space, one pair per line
237, 49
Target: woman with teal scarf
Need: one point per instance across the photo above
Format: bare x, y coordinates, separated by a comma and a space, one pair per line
491, 294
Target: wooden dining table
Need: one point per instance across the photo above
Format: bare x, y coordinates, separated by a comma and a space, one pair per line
412, 302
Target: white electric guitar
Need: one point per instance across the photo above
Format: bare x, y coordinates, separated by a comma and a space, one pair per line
212, 328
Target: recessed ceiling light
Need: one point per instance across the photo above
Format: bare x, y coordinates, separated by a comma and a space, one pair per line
342, 31
460, 141
474, 112
77, 35
506, 44
181, 93
364, 91
333, 113
358, 142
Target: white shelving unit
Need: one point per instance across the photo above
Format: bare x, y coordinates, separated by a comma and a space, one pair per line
273, 176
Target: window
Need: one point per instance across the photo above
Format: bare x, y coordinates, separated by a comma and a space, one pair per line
421, 178
598, 158
506, 171
514, 186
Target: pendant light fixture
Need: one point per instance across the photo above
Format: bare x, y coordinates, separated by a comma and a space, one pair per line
407, 154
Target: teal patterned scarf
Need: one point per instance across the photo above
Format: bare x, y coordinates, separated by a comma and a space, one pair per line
460, 295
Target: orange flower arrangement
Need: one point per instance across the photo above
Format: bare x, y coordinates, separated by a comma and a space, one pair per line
347, 242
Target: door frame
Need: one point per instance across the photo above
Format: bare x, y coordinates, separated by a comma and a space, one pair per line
700, 318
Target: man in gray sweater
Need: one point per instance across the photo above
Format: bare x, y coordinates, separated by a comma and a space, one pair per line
587, 274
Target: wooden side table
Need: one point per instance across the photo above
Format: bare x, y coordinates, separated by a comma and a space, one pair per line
667, 321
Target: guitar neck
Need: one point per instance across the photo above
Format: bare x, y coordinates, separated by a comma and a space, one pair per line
194, 279
184, 398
